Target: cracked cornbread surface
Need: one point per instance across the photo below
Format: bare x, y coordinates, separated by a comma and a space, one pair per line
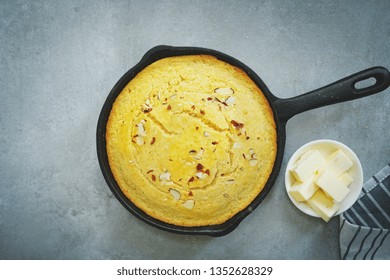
191, 140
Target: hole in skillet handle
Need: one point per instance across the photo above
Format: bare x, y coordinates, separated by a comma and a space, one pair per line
362, 84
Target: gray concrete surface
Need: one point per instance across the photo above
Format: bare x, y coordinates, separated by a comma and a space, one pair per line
59, 60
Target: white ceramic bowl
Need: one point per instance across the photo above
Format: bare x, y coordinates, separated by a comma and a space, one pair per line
326, 147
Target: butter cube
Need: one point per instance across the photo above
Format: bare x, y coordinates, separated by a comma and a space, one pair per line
323, 205
309, 163
303, 191
338, 163
346, 179
332, 187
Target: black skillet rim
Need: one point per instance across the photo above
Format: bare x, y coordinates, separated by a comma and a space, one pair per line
151, 56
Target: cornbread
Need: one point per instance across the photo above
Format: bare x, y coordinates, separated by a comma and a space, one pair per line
191, 140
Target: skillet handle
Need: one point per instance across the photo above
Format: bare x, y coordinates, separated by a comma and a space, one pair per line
340, 91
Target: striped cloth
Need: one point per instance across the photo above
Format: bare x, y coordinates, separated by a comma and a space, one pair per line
365, 227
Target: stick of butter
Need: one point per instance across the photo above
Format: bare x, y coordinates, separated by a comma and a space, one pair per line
309, 163
346, 179
338, 162
332, 187
303, 191
323, 205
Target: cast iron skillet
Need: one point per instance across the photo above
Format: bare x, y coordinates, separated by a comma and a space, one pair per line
283, 109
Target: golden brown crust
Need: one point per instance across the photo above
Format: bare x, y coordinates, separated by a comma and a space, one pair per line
191, 140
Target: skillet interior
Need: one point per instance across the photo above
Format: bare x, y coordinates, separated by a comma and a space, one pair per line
150, 57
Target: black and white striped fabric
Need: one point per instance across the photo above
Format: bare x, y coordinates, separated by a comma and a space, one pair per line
365, 227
